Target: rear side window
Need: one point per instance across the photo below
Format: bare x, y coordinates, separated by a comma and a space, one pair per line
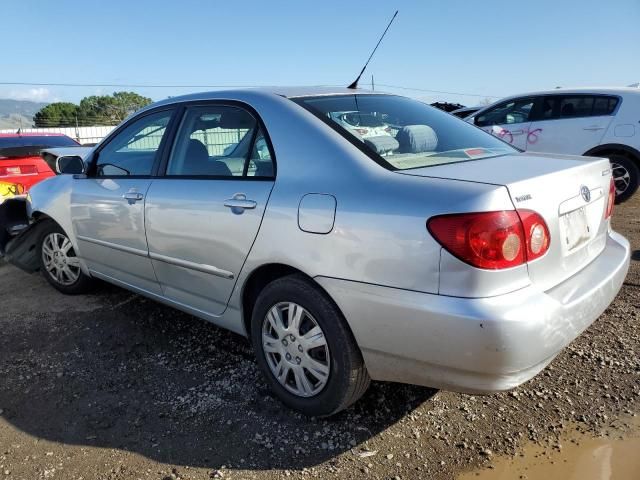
604, 105
220, 141
575, 106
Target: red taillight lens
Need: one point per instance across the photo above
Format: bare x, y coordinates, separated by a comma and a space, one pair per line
12, 170
536, 233
611, 200
492, 240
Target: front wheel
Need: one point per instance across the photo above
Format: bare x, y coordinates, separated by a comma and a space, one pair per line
626, 176
58, 262
304, 348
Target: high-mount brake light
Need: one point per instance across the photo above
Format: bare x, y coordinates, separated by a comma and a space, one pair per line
492, 240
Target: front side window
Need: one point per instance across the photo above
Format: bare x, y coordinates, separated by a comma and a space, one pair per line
219, 140
402, 133
133, 151
513, 111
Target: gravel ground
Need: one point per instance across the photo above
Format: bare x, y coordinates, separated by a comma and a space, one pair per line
114, 386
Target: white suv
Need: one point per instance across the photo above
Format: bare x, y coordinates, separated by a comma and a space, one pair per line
600, 122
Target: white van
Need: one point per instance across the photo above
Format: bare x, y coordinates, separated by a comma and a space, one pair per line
600, 122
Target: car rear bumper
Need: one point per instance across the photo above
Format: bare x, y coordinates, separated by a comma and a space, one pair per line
476, 344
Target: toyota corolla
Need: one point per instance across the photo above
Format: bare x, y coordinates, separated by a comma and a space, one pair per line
434, 254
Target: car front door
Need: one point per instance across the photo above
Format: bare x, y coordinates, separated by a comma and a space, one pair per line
203, 215
570, 123
509, 121
107, 207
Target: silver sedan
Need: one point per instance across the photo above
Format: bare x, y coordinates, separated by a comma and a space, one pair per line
423, 250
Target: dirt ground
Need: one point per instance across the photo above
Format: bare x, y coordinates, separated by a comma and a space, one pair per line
114, 386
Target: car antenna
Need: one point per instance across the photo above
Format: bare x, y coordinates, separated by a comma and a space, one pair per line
354, 85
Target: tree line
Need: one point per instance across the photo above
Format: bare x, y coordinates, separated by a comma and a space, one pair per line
92, 110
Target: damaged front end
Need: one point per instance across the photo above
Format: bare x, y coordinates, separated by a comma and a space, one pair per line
19, 234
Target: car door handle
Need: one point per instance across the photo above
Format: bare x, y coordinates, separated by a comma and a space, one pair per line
593, 128
240, 202
517, 132
133, 197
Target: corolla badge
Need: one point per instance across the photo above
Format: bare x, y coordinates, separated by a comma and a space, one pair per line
586, 193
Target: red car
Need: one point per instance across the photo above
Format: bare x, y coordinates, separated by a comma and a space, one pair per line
20, 160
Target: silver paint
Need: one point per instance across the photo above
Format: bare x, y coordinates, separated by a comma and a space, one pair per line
418, 314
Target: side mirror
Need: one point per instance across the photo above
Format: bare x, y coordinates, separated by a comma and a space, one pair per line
70, 165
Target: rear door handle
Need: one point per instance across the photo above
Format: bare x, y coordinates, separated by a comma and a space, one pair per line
593, 128
132, 197
239, 203
517, 132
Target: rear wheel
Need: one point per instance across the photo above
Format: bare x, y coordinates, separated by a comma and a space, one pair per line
626, 176
305, 350
58, 262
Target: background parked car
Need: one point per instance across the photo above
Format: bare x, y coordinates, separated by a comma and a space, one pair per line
21, 162
600, 122
465, 111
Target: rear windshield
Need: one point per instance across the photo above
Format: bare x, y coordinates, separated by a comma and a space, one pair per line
42, 141
401, 133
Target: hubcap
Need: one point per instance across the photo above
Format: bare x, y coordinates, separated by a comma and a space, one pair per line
621, 178
296, 349
59, 259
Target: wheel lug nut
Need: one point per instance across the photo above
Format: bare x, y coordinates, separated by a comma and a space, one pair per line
298, 360
300, 348
284, 342
288, 356
292, 338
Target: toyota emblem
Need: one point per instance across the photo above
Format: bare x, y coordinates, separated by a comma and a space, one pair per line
586, 193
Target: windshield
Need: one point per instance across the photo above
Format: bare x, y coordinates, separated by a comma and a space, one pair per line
42, 141
402, 133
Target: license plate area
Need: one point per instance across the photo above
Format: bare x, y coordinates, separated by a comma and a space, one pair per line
574, 229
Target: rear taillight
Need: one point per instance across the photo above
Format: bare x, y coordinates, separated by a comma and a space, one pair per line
12, 170
492, 240
536, 233
611, 200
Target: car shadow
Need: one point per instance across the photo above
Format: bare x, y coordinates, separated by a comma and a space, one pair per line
140, 377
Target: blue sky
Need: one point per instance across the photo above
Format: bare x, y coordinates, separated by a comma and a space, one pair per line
488, 48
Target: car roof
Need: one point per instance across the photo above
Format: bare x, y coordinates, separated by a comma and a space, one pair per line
288, 92
580, 90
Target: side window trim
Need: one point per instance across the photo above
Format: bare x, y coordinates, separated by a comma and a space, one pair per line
91, 170
177, 120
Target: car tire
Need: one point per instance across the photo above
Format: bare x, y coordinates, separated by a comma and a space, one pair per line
347, 378
58, 262
626, 176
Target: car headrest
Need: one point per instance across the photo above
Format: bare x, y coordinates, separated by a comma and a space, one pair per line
236, 119
417, 138
381, 144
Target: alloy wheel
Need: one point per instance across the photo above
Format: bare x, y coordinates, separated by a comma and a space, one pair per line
621, 178
59, 259
296, 349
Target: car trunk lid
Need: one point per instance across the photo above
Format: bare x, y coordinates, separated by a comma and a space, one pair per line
569, 192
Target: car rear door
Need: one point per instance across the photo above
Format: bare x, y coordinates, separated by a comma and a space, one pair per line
570, 123
509, 120
203, 214
107, 207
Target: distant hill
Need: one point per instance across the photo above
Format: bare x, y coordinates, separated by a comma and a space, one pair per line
18, 113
